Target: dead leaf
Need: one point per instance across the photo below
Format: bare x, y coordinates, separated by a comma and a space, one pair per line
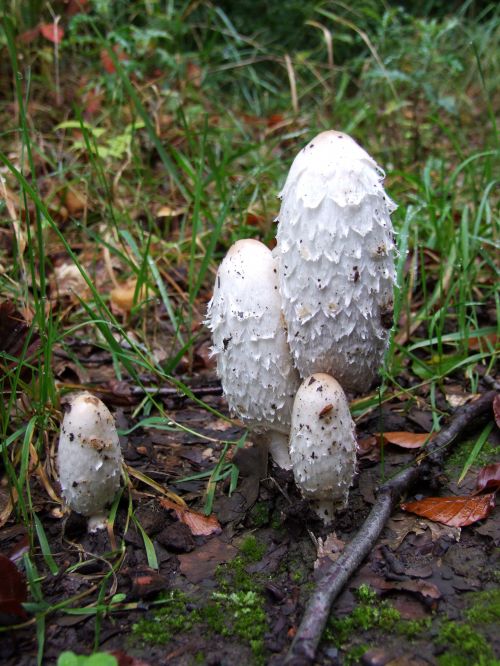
124, 659
29, 35
107, 62
169, 211
123, 297
52, 31
330, 548
481, 343
488, 478
13, 592
199, 524
496, 409
202, 562
75, 201
406, 440
454, 511
68, 281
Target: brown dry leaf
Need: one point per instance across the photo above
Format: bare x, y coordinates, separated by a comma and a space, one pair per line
75, 201
169, 211
496, 409
331, 547
68, 281
125, 659
194, 74
454, 511
122, 296
199, 524
404, 523
13, 591
481, 343
488, 478
202, 562
52, 31
406, 440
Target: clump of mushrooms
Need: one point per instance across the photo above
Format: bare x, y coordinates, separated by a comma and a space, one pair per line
89, 458
335, 254
249, 343
328, 293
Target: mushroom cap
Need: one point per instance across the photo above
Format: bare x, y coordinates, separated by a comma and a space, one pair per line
335, 254
249, 338
89, 455
322, 442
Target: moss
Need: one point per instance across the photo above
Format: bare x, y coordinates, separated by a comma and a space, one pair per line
174, 616
464, 646
260, 514
370, 613
484, 608
461, 453
252, 549
239, 615
233, 576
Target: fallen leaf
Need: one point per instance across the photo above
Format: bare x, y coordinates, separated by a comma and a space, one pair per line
406, 440
488, 478
75, 201
107, 61
202, 562
13, 592
123, 297
29, 35
481, 343
330, 548
68, 281
52, 31
496, 409
124, 659
454, 511
169, 211
199, 524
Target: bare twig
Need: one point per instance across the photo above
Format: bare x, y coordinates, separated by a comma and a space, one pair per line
305, 643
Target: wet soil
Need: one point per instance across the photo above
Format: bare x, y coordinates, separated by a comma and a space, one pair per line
262, 564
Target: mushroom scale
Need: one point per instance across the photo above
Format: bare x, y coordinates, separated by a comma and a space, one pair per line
249, 341
322, 443
89, 458
335, 254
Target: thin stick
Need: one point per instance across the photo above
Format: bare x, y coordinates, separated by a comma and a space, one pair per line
308, 636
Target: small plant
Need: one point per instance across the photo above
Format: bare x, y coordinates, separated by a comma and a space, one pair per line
252, 549
96, 659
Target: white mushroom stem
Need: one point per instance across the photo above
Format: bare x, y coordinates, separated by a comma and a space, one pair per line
249, 342
335, 253
89, 458
322, 443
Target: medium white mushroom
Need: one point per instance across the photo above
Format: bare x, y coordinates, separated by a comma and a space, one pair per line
322, 443
89, 458
335, 254
249, 341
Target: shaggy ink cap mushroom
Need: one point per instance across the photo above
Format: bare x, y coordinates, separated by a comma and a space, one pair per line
89, 458
249, 342
335, 253
322, 444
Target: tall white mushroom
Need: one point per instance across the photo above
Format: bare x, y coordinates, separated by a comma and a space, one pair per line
249, 342
89, 458
335, 254
322, 443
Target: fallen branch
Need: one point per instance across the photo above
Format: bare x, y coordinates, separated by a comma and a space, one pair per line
308, 636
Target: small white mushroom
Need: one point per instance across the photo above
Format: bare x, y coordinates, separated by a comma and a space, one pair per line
335, 254
322, 443
249, 341
89, 458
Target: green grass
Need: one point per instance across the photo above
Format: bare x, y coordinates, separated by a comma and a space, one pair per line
200, 118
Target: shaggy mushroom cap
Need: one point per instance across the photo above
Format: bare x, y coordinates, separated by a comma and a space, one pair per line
335, 254
322, 443
249, 341
89, 458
